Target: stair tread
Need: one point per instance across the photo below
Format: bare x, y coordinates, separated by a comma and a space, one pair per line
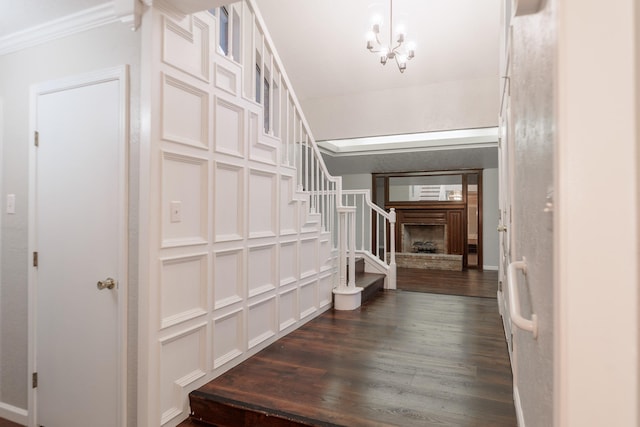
367, 279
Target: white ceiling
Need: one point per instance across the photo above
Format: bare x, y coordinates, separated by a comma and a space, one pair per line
322, 42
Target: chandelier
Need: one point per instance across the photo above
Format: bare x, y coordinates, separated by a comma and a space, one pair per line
401, 53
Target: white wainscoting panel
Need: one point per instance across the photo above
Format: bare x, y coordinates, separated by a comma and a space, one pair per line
182, 361
308, 297
238, 261
262, 209
185, 113
288, 207
262, 269
262, 321
288, 308
184, 186
229, 127
226, 79
186, 47
259, 149
228, 338
325, 254
184, 288
229, 202
288, 263
325, 289
308, 257
228, 283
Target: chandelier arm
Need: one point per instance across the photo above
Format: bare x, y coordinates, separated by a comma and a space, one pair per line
390, 24
396, 48
400, 67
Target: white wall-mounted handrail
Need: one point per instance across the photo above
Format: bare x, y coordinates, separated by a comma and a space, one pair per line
530, 325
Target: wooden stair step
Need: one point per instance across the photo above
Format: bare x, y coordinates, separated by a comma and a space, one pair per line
359, 266
371, 283
212, 410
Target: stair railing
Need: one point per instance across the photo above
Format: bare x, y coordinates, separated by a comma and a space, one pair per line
300, 151
375, 231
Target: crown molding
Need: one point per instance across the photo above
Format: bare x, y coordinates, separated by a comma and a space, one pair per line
84, 20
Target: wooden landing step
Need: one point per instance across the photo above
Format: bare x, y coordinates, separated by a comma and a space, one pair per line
212, 410
370, 282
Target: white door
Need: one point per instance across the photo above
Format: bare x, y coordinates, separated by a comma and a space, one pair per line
79, 225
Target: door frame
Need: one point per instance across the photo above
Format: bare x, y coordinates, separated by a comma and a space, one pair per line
121, 75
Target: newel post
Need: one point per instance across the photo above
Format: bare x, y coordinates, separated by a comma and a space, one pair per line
347, 296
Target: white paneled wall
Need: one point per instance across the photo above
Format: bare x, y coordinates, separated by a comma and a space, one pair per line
235, 259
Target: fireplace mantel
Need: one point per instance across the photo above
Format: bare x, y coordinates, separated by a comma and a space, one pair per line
452, 219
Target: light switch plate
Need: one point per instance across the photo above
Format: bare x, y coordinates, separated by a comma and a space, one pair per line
11, 203
176, 211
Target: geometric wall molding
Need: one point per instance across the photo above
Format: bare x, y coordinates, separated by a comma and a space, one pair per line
239, 262
183, 281
288, 308
308, 259
288, 207
258, 150
185, 113
262, 203
288, 263
229, 128
325, 290
229, 202
262, 321
326, 254
228, 338
308, 294
226, 79
182, 361
228, 277
187, 49
184, 189
261, 264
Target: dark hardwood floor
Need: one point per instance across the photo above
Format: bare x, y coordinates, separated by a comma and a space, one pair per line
7, 423
472, 283
403, 359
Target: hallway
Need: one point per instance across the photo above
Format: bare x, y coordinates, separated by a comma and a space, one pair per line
405, 358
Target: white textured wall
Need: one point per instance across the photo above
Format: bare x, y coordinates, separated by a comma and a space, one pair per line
105, 47
490, 244
448, 105
532, 139
598, 305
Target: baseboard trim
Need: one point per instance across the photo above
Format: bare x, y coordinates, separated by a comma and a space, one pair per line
14, 414
490, 267
518, 405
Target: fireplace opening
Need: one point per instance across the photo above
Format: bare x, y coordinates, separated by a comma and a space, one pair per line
424, 238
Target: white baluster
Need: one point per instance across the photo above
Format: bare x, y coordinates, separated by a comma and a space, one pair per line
391, 280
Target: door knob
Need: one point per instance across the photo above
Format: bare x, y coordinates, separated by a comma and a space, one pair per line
107, 283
